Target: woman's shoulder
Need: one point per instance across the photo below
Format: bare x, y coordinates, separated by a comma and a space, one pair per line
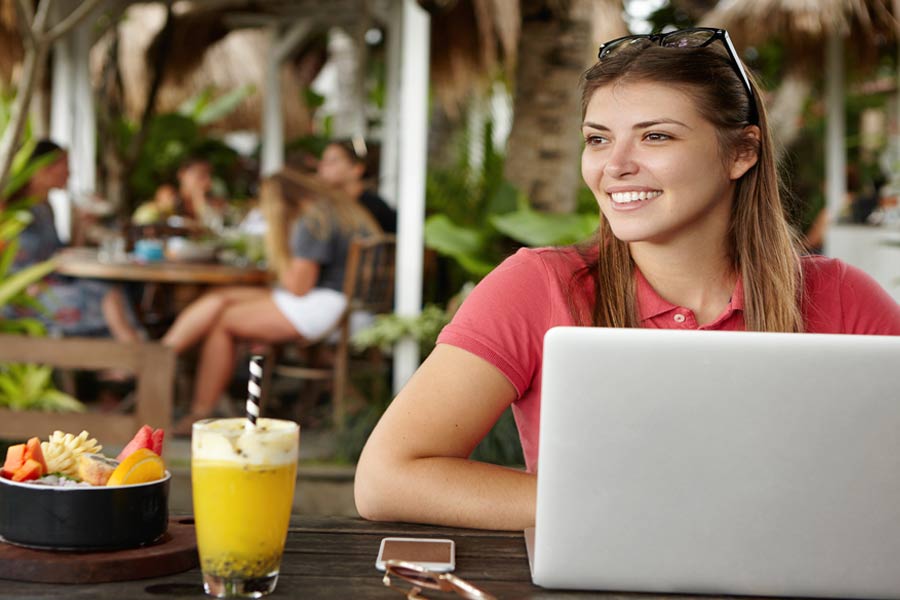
841, 298
555, 260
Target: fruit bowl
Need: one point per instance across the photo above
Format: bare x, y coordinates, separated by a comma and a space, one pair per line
83, 518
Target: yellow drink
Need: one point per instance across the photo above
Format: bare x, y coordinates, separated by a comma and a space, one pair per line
245, 513
243, 486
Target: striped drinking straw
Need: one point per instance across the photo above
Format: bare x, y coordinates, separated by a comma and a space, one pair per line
254, 389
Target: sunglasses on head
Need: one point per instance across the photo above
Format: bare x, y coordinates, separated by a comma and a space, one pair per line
696, 37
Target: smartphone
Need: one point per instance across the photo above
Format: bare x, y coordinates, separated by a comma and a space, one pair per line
437, 555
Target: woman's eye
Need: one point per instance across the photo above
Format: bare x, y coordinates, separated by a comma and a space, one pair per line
594, 140
657, 137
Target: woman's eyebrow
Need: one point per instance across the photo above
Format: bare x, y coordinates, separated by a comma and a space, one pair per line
641, 125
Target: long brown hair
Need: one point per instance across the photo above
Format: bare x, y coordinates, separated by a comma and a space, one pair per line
288, 195
762, 246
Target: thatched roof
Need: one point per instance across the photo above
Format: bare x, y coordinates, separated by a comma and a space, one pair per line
803, 25
226, 62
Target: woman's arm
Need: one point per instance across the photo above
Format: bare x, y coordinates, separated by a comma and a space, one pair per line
415, 465
299, 276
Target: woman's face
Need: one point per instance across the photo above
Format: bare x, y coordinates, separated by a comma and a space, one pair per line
653, 164
336, 168
54, 175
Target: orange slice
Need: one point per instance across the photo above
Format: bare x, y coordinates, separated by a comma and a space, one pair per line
140, 466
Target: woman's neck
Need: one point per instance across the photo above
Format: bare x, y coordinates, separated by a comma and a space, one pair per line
354, 188
698, 277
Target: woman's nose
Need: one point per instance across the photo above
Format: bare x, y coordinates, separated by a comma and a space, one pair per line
621, 162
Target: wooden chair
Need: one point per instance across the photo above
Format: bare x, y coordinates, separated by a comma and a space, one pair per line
369, 287
153, 365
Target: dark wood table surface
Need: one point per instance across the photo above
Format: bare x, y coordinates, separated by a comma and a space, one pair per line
84, 262
334, 557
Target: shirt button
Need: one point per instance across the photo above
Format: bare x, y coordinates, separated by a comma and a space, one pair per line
679, 318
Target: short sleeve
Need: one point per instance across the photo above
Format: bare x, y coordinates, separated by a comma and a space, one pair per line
841, 298
867, 308
504, 318
306, 245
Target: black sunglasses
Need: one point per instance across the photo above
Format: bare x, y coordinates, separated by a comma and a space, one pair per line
695, 37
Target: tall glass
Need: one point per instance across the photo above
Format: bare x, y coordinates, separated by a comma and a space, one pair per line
243, 481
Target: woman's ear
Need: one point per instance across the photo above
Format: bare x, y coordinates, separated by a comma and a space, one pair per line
747, 153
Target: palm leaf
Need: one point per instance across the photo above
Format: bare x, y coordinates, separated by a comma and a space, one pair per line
223, 105
22, 279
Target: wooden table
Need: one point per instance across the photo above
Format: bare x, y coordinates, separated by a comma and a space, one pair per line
84, 262
334, 558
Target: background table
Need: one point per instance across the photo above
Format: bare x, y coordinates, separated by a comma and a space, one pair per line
334, 558
84, 262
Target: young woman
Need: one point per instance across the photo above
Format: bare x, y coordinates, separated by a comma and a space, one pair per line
307, 241
71, 307
678, 154
343, 169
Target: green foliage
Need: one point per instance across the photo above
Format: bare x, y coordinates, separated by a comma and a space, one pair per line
390, 328
171, 138
30, 387
23, 386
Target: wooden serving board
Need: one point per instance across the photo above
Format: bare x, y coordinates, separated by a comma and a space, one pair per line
174, 553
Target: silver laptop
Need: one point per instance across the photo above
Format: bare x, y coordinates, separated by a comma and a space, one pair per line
719, 462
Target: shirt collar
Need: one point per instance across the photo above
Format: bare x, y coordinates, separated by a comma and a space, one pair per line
651, 304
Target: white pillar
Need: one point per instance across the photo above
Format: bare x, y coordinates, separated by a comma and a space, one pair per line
411, 188
62, 92
272, 151
835, 150
390, 133
82, 158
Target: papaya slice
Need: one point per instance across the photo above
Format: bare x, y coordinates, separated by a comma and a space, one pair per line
15, 458
33, 451
32, 469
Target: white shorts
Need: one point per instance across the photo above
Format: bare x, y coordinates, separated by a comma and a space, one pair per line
313, 313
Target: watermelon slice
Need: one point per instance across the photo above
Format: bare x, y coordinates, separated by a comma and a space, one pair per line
147, 438
156, 441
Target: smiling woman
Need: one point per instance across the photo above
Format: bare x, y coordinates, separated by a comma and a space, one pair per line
692, 235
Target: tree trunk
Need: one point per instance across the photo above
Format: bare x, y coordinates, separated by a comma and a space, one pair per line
786, 107
542, 152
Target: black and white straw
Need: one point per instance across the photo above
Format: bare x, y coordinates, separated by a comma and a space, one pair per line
254, 388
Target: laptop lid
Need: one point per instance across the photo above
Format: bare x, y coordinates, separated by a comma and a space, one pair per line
719, 462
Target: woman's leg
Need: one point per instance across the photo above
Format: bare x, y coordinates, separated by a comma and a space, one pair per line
200, 316
256, 319
116, 315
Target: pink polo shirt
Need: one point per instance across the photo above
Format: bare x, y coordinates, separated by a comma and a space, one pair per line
504, 319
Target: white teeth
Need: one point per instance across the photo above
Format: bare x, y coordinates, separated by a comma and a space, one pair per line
626, 197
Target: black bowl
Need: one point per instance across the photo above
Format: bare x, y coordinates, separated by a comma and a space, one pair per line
83, 518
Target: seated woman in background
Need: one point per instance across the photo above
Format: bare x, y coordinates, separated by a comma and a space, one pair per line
347, 169
307, 242
72, 307
679, 156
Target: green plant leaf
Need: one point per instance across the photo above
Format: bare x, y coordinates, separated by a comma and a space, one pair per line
55, 400
24, 326
224, 105
19, 177
535, 228
464, 244
194, 105
12, 222
17, 282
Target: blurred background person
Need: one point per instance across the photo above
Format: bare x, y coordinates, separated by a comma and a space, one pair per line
72, 307
307, 242
350, 168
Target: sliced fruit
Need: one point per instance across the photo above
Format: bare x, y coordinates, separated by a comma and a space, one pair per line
96, 469
33, 451
140, 466
15, 458
32, 469
142, 439
156, 441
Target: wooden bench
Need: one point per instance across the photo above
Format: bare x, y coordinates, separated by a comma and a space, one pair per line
153, 366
